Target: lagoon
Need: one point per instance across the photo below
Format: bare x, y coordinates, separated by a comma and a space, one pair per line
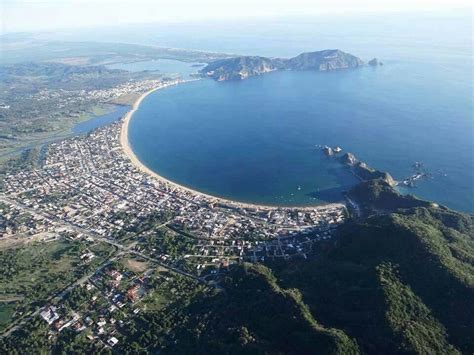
117, 112
168, 67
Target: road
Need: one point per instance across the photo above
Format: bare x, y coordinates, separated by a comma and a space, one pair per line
56, 297
97, 238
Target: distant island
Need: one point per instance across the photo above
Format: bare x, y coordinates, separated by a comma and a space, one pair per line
243, 67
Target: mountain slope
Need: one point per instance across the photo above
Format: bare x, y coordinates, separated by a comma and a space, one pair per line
374, 196
250, 314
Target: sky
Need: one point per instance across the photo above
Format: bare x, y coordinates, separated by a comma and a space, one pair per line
45, 15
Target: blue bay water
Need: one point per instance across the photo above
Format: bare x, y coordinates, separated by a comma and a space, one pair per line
255, 140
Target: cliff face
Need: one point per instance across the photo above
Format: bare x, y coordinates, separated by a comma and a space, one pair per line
240, 68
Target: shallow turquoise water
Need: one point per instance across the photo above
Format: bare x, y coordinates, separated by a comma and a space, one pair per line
255, 140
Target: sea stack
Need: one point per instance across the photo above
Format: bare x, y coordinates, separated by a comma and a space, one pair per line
374, 62
349, 159
328, 151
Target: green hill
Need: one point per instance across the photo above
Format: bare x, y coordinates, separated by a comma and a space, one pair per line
253, 314
377, 196
397, 282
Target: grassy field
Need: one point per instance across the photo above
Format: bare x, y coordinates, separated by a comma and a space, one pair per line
135, 265
33, 272
7, 309
97, 110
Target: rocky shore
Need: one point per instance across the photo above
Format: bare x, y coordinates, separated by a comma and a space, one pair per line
358, 168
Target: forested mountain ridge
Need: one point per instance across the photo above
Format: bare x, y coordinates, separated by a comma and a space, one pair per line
398, 281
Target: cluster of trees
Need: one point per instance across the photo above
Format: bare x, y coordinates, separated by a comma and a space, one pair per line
150, 222
163, 241
34, 338
378, 196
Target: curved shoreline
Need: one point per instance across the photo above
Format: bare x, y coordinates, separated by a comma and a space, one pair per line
124, 142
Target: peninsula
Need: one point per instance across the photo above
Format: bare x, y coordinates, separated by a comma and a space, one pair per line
240, 68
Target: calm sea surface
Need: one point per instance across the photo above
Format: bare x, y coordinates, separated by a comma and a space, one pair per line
256, 140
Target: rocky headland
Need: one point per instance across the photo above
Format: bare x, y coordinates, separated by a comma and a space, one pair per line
240, 68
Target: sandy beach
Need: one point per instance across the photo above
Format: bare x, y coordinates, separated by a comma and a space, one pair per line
213, 199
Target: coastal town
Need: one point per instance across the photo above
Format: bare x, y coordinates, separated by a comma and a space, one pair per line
89, 186
92, 190
63, 98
